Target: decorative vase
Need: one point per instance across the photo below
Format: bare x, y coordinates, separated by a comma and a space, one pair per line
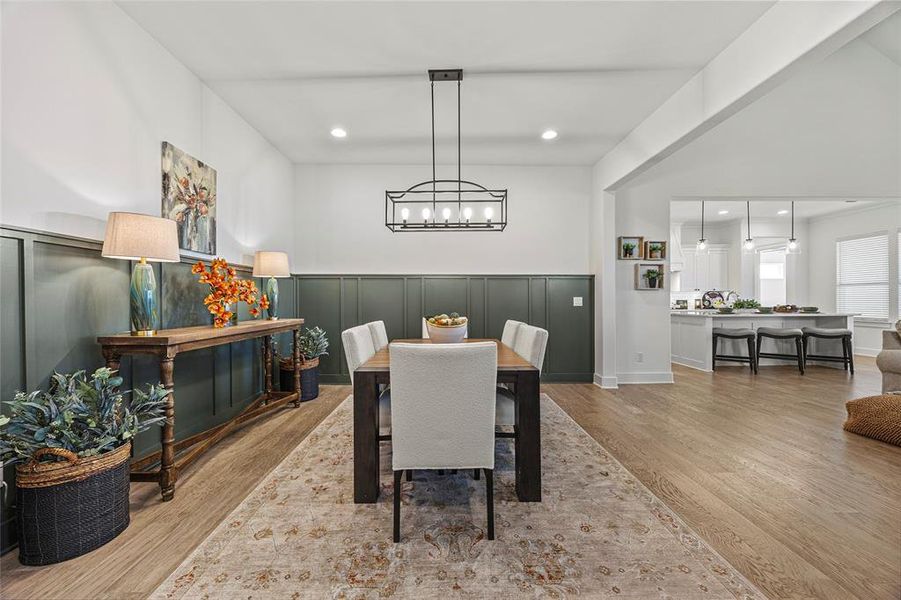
234, 318
145, 314
272, 295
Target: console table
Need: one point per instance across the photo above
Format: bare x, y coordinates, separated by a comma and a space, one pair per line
166, 344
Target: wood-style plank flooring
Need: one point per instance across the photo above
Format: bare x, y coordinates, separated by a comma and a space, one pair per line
760, 467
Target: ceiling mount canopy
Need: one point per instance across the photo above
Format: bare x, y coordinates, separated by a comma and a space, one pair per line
446, 204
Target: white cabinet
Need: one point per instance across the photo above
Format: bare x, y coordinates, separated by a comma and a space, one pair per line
706, 271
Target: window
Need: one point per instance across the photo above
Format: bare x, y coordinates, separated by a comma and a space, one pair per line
772, 276
862, 284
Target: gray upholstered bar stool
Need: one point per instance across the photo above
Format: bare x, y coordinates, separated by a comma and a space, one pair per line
735, 334
779, 333
847, 357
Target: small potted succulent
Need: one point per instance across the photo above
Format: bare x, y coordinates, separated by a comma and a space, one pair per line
655, 251
313, 344
628, 249
653, 277
74, 441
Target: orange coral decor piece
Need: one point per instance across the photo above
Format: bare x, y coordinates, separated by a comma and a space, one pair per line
226, 289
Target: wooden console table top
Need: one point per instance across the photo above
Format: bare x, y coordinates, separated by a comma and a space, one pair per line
201, 336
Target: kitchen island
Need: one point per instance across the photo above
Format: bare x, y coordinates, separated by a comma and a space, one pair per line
692, 335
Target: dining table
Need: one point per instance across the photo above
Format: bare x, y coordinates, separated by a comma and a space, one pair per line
512, 369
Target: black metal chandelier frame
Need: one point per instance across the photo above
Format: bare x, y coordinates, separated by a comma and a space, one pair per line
446, 193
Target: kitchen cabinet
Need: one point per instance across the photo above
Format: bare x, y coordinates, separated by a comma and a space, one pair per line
705, 271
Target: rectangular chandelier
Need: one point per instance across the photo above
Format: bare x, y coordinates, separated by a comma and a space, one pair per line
446, 204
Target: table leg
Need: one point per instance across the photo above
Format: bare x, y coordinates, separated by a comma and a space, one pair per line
297, 366
168, 472
366, 438
112, 359
267, 365
528, 437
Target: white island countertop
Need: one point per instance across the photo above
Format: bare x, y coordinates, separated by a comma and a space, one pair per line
752, 314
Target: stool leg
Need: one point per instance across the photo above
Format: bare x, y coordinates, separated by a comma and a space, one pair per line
799, 348
751, 355
845, 354
757, 355
713, 356
850, 355
805, 340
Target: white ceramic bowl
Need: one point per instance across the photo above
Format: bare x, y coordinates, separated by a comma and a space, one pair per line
453, 334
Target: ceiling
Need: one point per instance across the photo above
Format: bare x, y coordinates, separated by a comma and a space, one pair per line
689, 211
590, 70
886, 37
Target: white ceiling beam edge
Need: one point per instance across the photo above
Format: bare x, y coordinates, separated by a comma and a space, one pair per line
786, 38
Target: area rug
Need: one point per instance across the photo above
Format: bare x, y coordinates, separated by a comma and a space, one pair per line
598, 533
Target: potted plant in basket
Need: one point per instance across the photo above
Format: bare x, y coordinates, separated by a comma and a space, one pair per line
313, 344
653, 276
78, 500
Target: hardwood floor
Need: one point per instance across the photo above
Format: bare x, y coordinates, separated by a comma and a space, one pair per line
760, 467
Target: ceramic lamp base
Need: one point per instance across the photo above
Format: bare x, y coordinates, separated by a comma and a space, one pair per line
272, 295
145, 314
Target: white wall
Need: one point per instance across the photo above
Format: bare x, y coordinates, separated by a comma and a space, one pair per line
88, 96
824, 231
340, 222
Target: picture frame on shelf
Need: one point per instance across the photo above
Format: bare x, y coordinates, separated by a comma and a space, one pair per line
649, 276
655, 250
630, 247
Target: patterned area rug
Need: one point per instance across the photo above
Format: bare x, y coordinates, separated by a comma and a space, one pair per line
598, 533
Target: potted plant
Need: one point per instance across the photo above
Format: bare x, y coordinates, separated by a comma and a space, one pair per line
652, 275
745, 304
78, 499
655, 250
628, 249
226, 290
313, 344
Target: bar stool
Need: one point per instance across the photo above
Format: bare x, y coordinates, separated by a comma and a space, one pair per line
778, 333
735, 334
847, 357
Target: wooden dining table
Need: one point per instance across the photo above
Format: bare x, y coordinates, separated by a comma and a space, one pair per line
511, 369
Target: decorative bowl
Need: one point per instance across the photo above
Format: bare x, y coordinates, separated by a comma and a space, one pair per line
810, 309
725, 310
765, 310
786, 308
447, 334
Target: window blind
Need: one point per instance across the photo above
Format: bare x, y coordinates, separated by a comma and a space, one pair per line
862, 284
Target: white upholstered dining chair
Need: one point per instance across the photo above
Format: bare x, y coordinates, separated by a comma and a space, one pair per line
358, 348
511, 328
531, 344
442, 412
379, 334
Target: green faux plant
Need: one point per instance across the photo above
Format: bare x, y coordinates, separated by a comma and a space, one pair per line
313, 343
652, 274
747, 303
628, 248
86, 415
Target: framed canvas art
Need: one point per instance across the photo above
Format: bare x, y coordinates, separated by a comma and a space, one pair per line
189, 199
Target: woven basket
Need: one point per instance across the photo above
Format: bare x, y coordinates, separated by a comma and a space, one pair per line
309, 378
66, 509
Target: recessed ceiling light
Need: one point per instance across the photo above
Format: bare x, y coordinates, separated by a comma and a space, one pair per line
548, 134
782, 212
723, 212
338, 132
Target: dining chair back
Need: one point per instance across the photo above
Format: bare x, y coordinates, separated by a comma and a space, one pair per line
379, 334
531, 344
511, 328
358, 347
442, 412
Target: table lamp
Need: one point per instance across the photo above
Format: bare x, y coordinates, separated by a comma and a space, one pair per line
131, 236
271, 265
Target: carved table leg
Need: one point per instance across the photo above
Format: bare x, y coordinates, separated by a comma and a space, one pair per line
168, 472
267, 365
297, 365
112, 359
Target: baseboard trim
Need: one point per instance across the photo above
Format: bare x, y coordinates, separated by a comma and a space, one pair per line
644, 377
871, 352
337, 379
605, 382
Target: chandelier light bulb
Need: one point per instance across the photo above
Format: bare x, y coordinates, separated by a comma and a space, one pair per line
749, 245
489, 212
405, 214
792, 247
426, 213
702, 245
445, 214
467, 214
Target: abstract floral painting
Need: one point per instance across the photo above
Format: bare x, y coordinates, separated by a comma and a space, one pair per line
189, 199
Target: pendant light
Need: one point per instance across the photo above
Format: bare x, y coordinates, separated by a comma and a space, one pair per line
446, 204
748, 246
793, 247
702, 247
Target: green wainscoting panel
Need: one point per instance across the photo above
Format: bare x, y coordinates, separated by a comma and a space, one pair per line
337, 302
571, 352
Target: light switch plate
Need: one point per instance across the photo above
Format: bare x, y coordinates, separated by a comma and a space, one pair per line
577, 300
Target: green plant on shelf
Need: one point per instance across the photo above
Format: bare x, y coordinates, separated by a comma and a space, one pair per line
746, 303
